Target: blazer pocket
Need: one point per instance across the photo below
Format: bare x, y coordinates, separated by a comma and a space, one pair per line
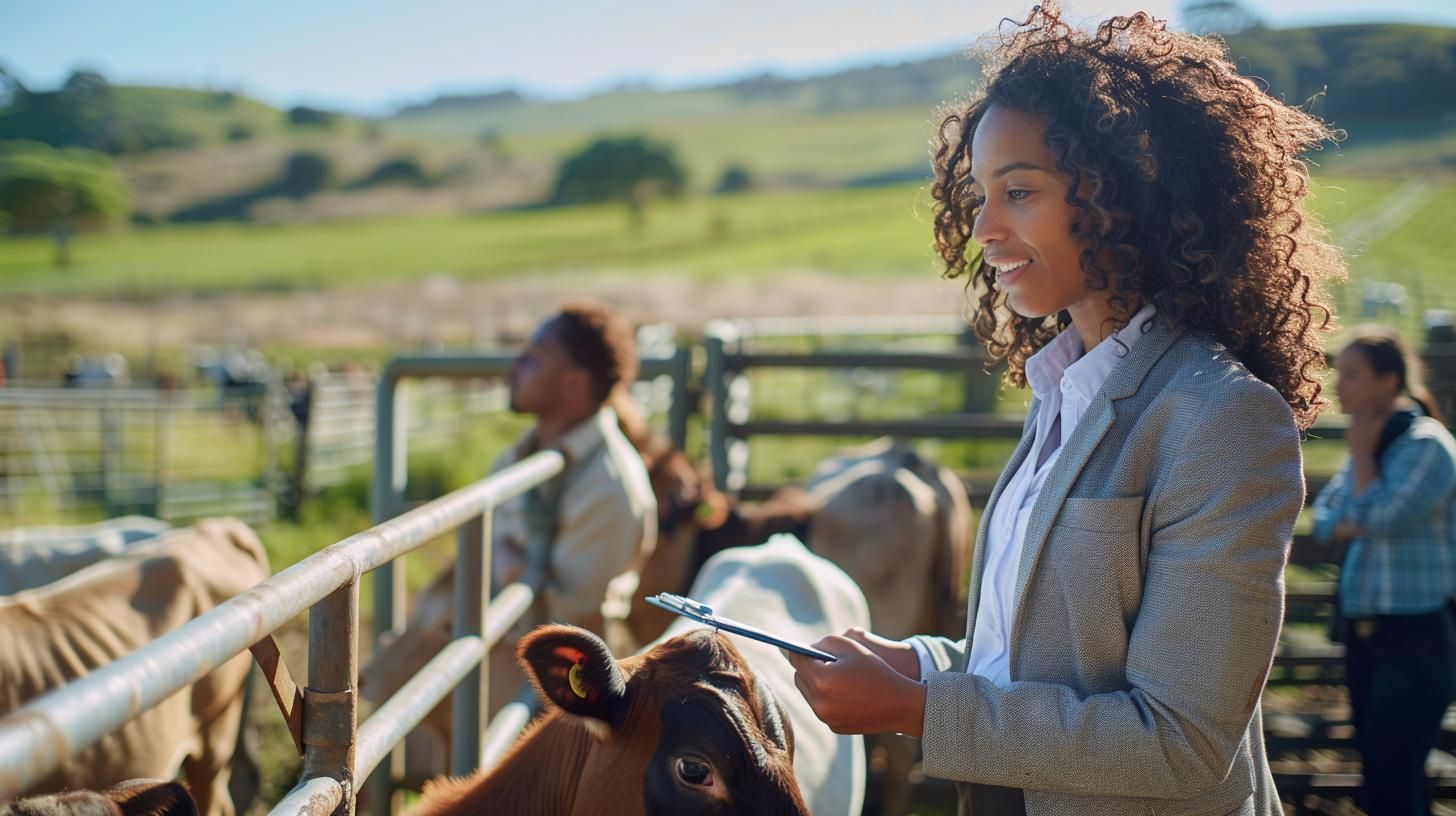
1117, 515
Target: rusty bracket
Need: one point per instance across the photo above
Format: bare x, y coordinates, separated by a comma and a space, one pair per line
330, 714
280, 682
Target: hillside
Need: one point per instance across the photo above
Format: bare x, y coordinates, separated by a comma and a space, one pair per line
1388, 85
194, 154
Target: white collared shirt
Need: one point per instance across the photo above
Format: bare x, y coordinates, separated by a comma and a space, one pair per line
1064, 381
605, 523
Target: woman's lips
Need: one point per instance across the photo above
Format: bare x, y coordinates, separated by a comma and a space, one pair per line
1008, 278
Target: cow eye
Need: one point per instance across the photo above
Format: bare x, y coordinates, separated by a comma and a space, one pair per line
694, 772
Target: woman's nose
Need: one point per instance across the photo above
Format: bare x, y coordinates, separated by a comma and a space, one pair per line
987, 228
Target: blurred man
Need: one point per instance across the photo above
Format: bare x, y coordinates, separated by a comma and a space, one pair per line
598, 519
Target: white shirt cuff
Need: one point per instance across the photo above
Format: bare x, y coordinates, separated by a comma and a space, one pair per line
927, 663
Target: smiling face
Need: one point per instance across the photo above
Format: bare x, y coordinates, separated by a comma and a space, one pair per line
1024, 223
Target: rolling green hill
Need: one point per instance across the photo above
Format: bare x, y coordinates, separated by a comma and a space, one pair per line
1389, 86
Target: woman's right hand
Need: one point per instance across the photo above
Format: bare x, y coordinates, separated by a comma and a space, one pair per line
899, 654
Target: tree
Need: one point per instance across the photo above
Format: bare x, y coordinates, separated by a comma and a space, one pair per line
305, 173
303, 116
633, 170
736, 179
59, 190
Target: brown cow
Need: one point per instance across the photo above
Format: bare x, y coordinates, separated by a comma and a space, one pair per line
135, 797
684, 728
60, 632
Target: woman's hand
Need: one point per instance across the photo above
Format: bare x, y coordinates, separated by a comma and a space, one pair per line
860, 693
1346, 531
899, 654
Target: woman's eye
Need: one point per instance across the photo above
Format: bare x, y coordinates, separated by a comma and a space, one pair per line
1017, 195
693, 772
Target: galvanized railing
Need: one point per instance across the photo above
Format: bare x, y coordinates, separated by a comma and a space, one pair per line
36, 738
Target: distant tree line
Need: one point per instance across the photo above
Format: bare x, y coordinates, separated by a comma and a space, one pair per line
1367, 72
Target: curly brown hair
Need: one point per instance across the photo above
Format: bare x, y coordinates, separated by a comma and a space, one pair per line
1189, 183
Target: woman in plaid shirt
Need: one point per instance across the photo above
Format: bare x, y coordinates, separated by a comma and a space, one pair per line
1394, 505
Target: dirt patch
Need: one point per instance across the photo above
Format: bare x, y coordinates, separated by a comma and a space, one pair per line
448, 311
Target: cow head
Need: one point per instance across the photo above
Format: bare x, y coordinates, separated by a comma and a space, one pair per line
684, 728
689, 713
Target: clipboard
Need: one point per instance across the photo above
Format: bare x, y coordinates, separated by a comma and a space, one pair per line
702, 613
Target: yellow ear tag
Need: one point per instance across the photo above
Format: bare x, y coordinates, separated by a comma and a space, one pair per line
574, 678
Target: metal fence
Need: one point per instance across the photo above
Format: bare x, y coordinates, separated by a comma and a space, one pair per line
935, 347
173, 454
39, 736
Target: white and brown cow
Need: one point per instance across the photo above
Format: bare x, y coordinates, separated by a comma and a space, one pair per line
684, 728
781, 587
58, 633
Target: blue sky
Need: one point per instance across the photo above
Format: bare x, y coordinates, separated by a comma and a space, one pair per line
373, 55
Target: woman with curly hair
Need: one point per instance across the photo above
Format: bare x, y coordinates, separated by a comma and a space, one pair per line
1128, 212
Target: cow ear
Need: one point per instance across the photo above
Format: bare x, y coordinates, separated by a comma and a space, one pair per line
575, 671
152, 797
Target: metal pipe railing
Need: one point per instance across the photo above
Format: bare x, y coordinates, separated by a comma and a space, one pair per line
39, 736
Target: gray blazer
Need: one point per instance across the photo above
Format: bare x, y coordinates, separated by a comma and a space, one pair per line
1150, 596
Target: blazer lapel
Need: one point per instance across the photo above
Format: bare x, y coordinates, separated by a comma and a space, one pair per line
978, 554
1077, 449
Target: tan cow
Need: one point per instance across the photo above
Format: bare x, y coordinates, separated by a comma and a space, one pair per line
684, 728
58, 633
901, 526
135, 797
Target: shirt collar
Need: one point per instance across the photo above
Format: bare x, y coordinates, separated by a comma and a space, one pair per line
1044, 369
1064, 357
582, 440
1089, 373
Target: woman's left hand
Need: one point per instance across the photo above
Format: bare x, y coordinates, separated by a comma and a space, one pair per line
859, 693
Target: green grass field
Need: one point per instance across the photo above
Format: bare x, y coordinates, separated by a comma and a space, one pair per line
875, 232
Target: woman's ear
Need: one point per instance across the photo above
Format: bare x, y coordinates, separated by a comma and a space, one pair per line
575, 671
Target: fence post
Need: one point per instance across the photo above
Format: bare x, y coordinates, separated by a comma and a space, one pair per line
113, 454
717, 375
386, 501
469, 702
330, 705
677, 419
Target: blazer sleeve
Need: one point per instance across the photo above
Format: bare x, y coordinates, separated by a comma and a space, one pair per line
1199, 649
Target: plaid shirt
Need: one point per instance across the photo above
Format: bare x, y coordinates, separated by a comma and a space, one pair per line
1407, 563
